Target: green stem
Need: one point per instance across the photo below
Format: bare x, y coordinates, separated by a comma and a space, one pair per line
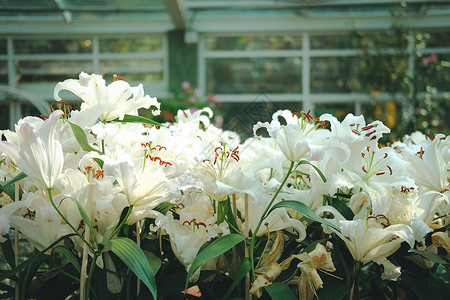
67, 221
354, 292
121, 223
264, 215
91, 273
103, 146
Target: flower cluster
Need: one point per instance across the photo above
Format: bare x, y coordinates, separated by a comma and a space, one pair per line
111, 187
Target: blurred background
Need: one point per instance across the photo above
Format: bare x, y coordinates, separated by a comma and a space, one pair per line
386, 59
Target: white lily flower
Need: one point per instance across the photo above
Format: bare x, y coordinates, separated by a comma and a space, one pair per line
122, 98
366, 239
430, 166
38, 153
140, 185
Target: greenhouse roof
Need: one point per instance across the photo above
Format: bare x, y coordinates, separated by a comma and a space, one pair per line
113, 16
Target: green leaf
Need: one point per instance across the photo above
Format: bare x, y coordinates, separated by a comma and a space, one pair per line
86, 219
29, 262
64, 252
343, 208
415, 288
18, 177
304, 210
79, 134
243, 270
305, 162
136, 119
8, 251
216, 248
333, 290
153, 261
164, 207
9, 188
431, 256
135, 259
278, 290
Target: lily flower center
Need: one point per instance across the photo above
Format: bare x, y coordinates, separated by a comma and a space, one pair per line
371, 166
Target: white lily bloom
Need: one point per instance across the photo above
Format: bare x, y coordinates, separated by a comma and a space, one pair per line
38, 153
430, 166
366, 239
196, 226
354, 128
121, 98
141, 185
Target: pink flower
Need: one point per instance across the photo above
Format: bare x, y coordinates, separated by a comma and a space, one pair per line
429, 59
185, 85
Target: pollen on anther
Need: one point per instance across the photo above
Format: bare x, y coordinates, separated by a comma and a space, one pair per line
364, 169
390, 170
367, 127
370, 133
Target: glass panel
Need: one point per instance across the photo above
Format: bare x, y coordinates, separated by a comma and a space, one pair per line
117, 4
52, 46
3, 49
334, 74
28, 109
384, 73
240, 117
4, 117
132, 70
138, 44
51, 71
334, 42
339, 110
40, 3
253, 75
435, 39
3, 72
433, 73
254, 43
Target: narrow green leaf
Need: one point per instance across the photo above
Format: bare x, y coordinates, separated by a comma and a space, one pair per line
64, 252
343, 208
79, 134
278, 290
153, 261
305, 162
243, 270
137, 119
230, 218
35, 257
86, 219
415, 288
135, 259
164, 207
9, 188
8, 251
333, 290
436, 258
304, 210
216, 248
18, 177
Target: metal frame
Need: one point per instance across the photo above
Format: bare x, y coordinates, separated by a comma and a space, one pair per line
35, 93
307, 98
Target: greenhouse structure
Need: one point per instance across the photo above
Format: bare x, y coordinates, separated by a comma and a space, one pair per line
300, 54
224, 149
